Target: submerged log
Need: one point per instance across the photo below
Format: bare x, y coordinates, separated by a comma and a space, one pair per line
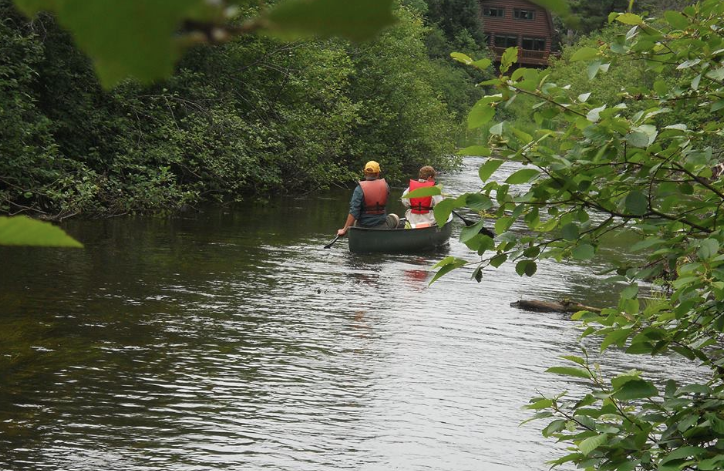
553, 306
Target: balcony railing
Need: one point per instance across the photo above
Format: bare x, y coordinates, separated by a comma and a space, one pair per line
525, 56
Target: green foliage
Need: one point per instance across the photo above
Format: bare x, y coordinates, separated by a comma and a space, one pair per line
641, 160
236, 120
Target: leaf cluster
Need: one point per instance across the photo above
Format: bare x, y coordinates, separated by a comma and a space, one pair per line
643, 162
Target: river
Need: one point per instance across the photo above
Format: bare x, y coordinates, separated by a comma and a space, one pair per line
232, 340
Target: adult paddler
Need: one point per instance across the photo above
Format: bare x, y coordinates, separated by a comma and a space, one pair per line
367, 206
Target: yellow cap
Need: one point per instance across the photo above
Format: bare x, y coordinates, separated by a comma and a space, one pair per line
372, 167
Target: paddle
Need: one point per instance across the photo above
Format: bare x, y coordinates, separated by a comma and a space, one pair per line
331, 243
469, 223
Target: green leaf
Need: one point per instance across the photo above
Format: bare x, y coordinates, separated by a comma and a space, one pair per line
584, 252
629, 19
523, 175
497, 130
356, 20
482, 64
478, 202
21, 230
636, 389
524, 137
425, 191
481, 151
688, 64
526, 267
555, 426
574, 359
469, 232
637, 203
569, 371
498, 260
460, 57
584, 53
716, 74
646, 243
503, 224
443, 209
480, 115
488, 168
593, 69
615, 337
620, 380
540, 404
676, 19
708, 248
570, 231
447, 265
509, 57
716, 106
661, 87
637, 139
595, 114
140, 38
630, 291
124, 37
591, 443
683, 452
711, 464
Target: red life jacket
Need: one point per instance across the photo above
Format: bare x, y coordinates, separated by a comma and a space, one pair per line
375, 196
420, 205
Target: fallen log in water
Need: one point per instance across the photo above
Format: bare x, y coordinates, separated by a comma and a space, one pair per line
552, 306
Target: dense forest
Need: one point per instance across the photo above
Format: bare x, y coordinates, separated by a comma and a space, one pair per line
242, 119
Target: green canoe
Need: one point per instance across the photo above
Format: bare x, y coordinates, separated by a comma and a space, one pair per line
367, 240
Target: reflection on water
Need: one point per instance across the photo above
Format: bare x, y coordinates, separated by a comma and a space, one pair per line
234, 340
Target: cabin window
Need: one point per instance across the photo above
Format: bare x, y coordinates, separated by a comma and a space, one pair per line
502, 40
534, 44
520, 14
494, 12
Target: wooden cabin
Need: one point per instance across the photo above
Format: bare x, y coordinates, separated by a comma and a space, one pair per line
509, 23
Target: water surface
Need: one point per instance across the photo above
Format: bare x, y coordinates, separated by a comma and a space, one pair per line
229, 340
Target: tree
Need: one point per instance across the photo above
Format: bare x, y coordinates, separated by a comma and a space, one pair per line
591, 169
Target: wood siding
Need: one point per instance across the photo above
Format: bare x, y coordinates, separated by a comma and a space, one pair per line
507, 25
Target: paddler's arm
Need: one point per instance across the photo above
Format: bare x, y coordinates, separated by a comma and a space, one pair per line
355, 210
349, 222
